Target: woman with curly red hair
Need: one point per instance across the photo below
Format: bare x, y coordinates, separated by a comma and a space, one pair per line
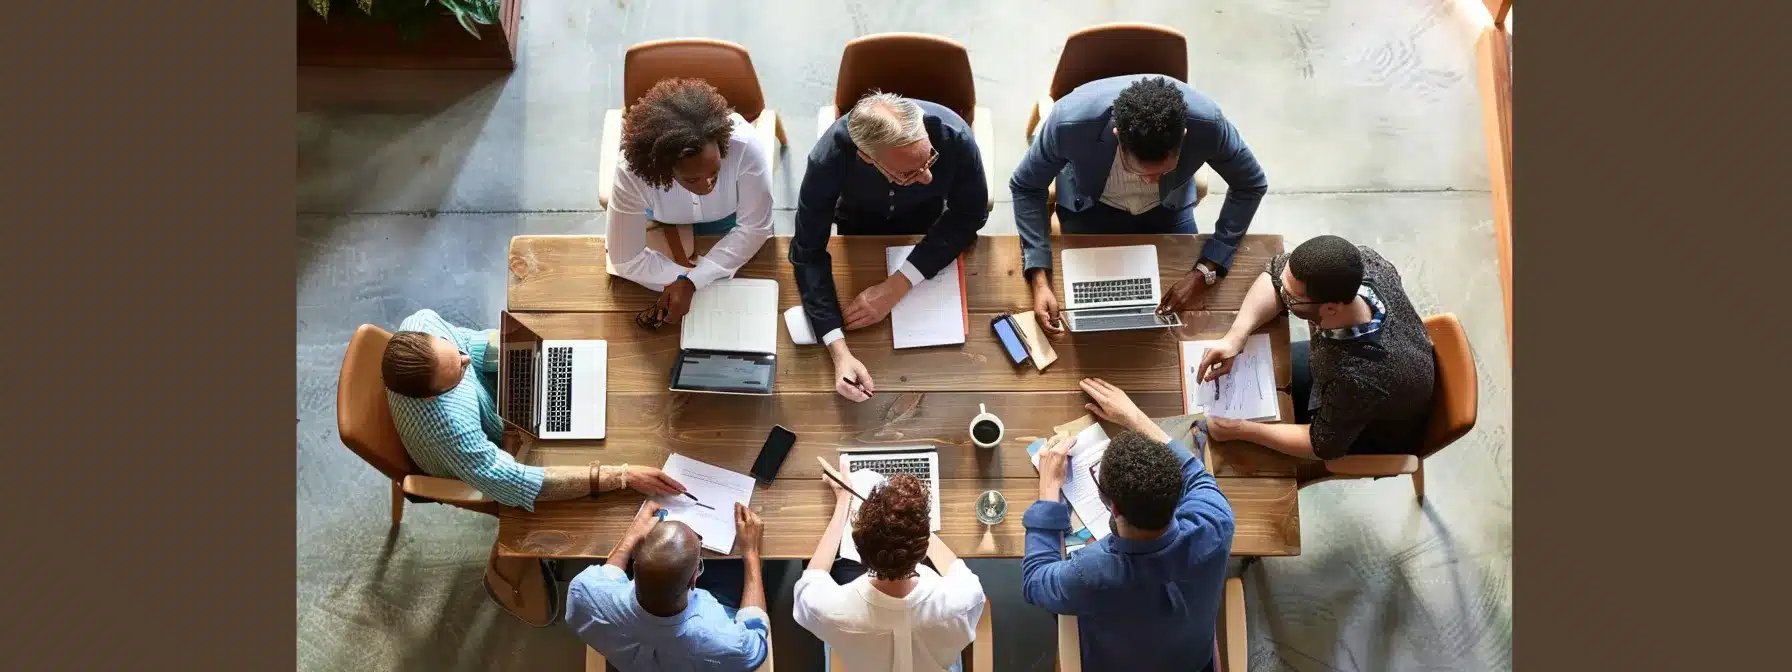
687, 159
892, 612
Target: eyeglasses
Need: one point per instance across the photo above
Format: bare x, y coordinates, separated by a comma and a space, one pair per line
651, 319
1288, 299
907, 177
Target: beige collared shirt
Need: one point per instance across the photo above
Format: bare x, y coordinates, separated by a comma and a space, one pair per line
1127, 191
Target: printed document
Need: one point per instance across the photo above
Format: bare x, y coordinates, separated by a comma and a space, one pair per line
716, 489
932, 313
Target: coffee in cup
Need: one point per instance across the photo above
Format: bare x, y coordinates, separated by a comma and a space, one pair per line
986, 428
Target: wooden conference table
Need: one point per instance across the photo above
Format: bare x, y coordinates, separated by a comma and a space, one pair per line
559, 288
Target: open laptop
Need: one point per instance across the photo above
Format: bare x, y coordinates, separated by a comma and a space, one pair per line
1113, 288
551, 389
728, 343
921, 462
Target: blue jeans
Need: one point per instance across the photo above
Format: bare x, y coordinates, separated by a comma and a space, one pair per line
1104, 218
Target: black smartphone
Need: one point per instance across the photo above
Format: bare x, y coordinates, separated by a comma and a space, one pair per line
1009, 335
772, 454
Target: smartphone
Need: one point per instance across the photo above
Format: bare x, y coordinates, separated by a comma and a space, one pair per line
772, 454
1009, 335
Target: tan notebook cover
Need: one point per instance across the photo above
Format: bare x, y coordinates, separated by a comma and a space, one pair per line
1037, 344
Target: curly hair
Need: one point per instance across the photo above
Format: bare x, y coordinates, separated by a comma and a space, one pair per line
1150, 116
1141, 479
674, 120
892, 528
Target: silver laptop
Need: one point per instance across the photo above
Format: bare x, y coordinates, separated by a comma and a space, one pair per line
552, 389
1113, 288
919, 461
728, 343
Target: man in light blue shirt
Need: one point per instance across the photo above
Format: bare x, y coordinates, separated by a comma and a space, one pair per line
663, 620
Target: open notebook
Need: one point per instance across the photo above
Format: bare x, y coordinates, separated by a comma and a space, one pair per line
733, 315
932, 313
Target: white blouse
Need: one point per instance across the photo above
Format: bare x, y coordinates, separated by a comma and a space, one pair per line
744, 189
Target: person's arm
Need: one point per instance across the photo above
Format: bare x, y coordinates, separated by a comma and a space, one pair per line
750, 530
1245, 186
829, 546
1295, 440
753, 219
625, 239
1202, 500
942, 556
637, 530
1260, 306
809, 256
1345, 407
967, 210
1028, 186
1048, 579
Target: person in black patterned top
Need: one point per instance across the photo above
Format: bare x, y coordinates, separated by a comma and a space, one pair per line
1363, 384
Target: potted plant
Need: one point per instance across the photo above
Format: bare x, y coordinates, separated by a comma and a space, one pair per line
409, 33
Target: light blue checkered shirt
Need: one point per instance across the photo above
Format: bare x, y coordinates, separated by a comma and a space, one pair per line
456, 434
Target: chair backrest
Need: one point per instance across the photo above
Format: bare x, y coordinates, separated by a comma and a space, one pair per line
1457, 393
1115, 49
912, 65
362, 416
725, 65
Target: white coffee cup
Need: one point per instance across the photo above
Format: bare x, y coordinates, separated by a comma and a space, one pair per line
985, 416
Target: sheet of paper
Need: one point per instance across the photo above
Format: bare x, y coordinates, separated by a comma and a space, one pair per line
733, 315
716, 489
1037, 344
1248, 392
863, 481
1080, 475
932, 313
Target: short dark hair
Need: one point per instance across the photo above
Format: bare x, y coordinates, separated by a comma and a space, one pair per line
674, 120
1150, 116
408, 366
893, 527
1141, 479
1329, 266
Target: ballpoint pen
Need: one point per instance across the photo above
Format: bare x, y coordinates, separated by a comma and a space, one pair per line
698, 501
856, 384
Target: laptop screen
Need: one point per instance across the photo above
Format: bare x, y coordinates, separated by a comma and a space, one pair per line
734, 372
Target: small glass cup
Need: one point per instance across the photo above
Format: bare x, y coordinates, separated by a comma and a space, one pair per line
992, 507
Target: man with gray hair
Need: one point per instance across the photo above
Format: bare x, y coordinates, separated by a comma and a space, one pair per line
891, 166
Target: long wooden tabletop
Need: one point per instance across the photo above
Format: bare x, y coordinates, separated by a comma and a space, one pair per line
926, 396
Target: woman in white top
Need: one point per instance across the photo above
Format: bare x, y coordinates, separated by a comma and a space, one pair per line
687, 158
896, 614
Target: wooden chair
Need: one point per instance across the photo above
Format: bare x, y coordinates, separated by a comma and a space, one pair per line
365, 423
725, 65
594, 661
913, 65
1231, 647
1453, 410
979, 657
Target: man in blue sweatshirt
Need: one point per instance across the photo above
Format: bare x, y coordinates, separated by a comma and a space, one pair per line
1145, 596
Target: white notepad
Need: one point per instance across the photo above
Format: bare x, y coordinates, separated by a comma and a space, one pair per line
864, 481
733, 315
1248, 392
716, 489
932, 313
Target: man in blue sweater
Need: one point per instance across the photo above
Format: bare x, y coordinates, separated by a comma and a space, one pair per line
1146, 596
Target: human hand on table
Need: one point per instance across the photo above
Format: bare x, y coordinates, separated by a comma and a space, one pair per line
1189, 293
1054, 461
1045, 304
873, 305
651, 481
675, 301
1225, 429
1112, 405
849, 368
748, 530
644, 521
1217, 360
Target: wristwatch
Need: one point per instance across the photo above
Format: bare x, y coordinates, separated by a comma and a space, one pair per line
1207, 273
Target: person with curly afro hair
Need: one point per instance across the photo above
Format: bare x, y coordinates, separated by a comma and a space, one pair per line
892, 612
1123, 153
1146, 594
688, 160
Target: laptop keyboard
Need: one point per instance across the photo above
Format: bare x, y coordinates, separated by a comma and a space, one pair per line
889, 467
519, 387
1109, 291
1134, 321
559, 394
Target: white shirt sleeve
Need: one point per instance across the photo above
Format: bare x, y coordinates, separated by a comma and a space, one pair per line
813, 599
830, 337
965, 594
626, 240
913, 274
752, 218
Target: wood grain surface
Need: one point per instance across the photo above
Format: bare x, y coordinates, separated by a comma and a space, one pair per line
925, 397
566, 273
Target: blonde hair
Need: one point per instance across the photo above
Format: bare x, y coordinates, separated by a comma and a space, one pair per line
882, 120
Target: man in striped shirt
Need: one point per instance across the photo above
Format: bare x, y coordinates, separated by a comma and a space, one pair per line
450, 426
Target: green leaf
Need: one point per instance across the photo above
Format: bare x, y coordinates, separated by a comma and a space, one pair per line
322, 7
467, 23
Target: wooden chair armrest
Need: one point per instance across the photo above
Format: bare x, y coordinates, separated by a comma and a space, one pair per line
983, 129
1042, 108
594, 661
824, 118
1373, 465
609, 155
767, 665
983, 652
767, 128
444, 490
1070, 646
1238, 645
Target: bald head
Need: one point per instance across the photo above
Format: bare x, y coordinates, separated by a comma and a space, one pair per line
666, 564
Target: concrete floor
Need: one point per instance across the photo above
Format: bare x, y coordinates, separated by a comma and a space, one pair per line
1364, 114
